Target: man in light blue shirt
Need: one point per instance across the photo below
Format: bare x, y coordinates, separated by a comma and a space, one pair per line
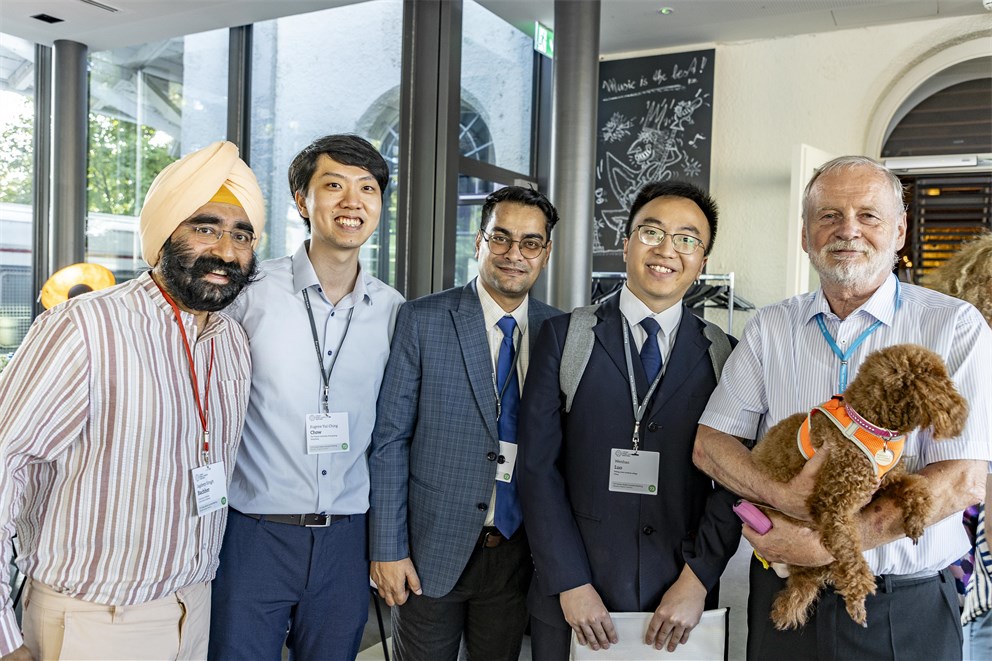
295, 550
789, 361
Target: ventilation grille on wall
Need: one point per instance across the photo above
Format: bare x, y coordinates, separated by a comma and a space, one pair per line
945, 211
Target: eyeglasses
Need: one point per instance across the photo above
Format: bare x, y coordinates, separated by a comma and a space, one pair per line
500, 244
650, 235
209, 235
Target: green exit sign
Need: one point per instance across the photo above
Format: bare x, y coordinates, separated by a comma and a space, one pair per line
544, 40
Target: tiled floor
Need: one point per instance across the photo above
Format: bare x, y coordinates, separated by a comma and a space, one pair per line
733, 593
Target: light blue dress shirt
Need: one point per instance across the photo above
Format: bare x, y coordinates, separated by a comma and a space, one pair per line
783, 365
274, 474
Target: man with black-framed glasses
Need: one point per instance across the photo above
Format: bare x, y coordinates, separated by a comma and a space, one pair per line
448, 549
618, 518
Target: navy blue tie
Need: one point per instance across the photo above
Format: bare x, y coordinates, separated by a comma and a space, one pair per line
650, 354
508, 515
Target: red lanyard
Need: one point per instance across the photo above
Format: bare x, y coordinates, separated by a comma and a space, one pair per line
201, 409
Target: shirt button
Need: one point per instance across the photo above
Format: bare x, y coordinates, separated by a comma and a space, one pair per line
332, 313
491, 456
330, 351
647, 530
323, 472
482, 506
652, 426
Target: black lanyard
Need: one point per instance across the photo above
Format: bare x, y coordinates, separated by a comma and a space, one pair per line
639, 408
509, 375
326, 376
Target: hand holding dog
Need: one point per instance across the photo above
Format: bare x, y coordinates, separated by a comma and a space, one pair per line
789, 542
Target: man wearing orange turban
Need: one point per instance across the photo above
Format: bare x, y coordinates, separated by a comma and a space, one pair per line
120, 417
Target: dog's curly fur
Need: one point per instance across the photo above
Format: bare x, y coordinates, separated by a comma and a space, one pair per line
900, 388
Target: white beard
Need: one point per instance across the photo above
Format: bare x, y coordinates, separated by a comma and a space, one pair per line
855, 272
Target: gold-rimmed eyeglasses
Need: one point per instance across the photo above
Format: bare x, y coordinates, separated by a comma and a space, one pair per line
209, 235
500, 244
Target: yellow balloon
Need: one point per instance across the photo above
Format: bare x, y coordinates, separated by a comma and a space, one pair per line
80, 276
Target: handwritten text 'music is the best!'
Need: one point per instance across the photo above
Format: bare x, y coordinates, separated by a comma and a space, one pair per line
678, 74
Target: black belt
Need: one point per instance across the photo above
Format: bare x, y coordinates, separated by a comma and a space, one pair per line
305, 520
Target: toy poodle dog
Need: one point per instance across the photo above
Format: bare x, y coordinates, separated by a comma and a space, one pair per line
897, 389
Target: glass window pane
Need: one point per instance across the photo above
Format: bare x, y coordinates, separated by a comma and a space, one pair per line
301, 92
472, 193
501, 101
16, 210
149, 105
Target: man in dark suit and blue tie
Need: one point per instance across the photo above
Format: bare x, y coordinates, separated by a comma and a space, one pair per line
448, 550
618, 517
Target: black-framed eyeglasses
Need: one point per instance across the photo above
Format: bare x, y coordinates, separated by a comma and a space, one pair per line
500, 244
650, 235
209, 235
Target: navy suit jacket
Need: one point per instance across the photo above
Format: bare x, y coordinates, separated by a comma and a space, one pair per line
430, 467
631, 547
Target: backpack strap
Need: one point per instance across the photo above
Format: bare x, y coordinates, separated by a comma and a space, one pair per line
719, 346
580, 339
578, 348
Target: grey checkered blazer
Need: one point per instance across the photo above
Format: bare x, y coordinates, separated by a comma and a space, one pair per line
435, 424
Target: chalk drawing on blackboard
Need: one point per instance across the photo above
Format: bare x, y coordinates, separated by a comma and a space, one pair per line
657, 154
617, 128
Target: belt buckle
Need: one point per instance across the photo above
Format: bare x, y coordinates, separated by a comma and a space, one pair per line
323, 520
496, 537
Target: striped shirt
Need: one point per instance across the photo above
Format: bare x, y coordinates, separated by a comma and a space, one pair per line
783, 365
979, 597
99, 433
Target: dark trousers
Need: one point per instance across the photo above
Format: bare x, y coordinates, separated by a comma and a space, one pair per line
273, 577
487, 607
549, 642
913, 620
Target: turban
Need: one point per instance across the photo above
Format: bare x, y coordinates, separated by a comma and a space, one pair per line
189, 183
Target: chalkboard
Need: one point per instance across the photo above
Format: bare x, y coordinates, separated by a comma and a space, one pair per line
655, 119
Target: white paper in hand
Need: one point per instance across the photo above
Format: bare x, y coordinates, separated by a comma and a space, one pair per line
707, 642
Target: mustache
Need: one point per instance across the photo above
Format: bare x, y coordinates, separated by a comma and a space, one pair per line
849, 245
237, 275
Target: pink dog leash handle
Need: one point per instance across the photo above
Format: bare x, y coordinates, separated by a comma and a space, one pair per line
752, 516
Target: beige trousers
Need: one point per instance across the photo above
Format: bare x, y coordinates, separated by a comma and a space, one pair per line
60, 627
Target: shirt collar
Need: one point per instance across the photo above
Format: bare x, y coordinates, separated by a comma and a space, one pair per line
492, 312
635, 311
881, 306
304, 275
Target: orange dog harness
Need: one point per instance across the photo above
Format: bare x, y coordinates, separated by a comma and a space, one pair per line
883, 447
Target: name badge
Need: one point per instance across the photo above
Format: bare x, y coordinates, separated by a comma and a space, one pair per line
634, 473
327, 432
210, 487
507, 460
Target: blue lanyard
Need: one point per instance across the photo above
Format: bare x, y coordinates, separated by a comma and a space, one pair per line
842, 355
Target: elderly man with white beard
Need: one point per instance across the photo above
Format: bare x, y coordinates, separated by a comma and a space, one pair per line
797, 354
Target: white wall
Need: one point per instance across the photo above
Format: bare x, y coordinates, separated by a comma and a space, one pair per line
818, 89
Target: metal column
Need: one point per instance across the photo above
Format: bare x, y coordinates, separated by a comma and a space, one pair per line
430, 102
70, 109
41, 190
573, 147
239, 90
